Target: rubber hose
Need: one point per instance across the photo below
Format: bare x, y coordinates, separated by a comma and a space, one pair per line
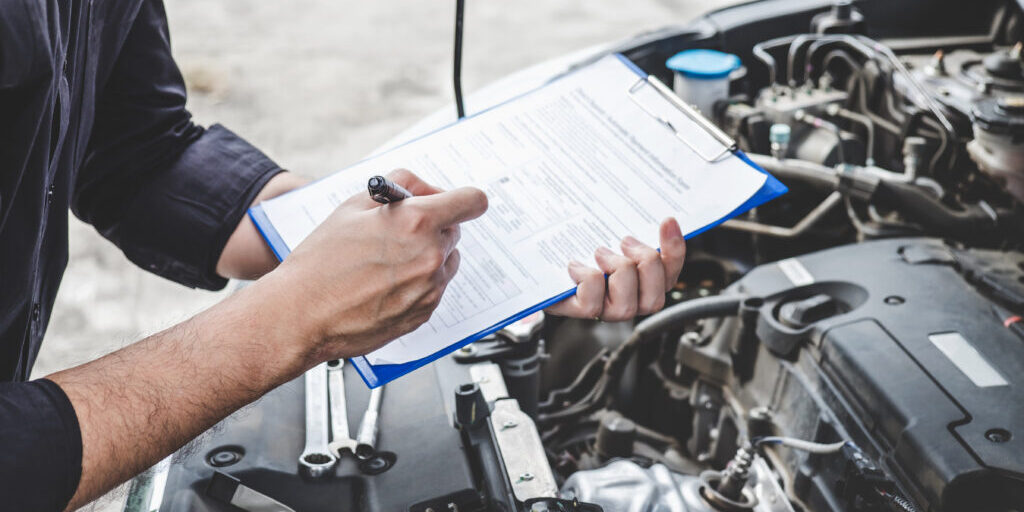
716, 306
813, 174
938, 219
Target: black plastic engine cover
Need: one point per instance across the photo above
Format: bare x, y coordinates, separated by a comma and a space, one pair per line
915, 362
415, 424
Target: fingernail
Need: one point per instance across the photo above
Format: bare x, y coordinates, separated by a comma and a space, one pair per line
629, 241
604, 251
575, 264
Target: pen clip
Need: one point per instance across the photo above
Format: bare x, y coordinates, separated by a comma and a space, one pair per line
728, 144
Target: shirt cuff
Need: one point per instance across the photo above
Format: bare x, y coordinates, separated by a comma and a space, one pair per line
180, 221
41, 462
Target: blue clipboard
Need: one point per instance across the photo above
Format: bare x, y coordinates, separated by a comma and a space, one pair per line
377, 375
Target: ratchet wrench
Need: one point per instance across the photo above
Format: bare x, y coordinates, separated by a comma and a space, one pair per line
316, 458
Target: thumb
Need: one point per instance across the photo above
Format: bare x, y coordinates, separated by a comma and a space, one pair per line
454, 206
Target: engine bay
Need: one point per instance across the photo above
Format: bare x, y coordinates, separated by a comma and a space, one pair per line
856, 345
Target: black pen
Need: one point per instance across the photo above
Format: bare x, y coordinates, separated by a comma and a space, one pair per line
385, 191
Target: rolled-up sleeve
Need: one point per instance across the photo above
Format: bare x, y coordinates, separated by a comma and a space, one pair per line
41, 459
168, 192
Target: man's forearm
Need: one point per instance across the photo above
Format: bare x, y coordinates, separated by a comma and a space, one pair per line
246, 255
139, 404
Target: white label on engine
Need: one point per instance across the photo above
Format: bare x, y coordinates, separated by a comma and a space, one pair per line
796, 272
967, 358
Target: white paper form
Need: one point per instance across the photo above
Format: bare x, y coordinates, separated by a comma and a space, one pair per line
568, 168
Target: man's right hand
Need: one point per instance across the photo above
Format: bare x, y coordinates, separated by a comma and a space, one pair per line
367, 275
371, 273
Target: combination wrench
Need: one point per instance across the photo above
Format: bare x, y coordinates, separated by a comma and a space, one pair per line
316, 458
341, 439
367, 438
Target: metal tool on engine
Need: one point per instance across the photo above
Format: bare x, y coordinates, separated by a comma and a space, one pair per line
367, 438
727, 489
316, 458
341, 439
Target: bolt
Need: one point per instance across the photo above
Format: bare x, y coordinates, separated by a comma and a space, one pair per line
894, 300
509, 424
525, 477
691, 338
224, 457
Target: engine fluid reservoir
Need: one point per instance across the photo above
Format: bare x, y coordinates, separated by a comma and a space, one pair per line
998, 145
702, 77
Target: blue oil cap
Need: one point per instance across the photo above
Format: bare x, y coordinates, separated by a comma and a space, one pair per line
704, 64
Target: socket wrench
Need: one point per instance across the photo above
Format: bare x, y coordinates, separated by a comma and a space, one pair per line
341, 439
316, 459
367, 437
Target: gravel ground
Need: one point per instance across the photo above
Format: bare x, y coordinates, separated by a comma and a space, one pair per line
317, 85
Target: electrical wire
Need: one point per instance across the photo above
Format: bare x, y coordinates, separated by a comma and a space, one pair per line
460, 7
803, 445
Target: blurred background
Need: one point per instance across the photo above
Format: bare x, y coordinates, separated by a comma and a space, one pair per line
317, 85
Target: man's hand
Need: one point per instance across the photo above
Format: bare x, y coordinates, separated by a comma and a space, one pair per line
367, 275
371, 273
637, 279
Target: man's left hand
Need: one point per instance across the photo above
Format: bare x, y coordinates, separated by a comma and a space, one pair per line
637, 282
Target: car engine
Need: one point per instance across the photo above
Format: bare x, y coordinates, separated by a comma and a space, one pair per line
856, 345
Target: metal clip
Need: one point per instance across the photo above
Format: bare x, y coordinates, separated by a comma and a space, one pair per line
728, 144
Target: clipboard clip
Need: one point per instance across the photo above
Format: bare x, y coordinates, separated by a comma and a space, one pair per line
727, 142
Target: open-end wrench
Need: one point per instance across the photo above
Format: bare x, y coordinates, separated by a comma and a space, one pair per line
341, 439
367, 437
316, 458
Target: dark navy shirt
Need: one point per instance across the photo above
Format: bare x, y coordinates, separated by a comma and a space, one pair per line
92, 118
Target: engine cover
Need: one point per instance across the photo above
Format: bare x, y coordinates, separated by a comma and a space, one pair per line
907, 346
267, 437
